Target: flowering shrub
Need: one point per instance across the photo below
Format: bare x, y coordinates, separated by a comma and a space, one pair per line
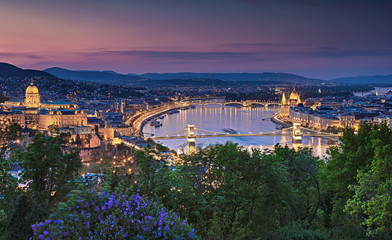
88, 215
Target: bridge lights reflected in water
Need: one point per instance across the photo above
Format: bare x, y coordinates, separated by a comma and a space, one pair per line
242, 119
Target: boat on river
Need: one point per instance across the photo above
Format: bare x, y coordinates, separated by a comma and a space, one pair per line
173, 111
156, 123
229, 130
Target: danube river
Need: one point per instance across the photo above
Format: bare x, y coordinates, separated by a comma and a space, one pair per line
242, 119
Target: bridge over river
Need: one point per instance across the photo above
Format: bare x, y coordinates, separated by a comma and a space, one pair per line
137, 121
221, 101
296, 132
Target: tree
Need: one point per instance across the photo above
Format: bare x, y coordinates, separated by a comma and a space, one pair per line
53, 128
356, 153
49, 166
78, 140
8, 183
302, 174
49, 170
229, 193
371, 205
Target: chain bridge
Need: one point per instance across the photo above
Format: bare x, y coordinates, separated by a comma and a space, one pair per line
296, 132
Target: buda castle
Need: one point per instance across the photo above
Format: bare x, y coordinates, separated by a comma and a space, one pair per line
33, 113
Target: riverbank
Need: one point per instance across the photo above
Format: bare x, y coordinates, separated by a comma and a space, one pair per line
143, 118
277, 121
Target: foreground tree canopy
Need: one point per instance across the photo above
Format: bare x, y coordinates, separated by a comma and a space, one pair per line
47, 172
222, 191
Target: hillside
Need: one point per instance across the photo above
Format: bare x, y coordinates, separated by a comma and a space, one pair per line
111, 77
199, 82
265, 77
10, 71
14, 80
384, 80
104, 77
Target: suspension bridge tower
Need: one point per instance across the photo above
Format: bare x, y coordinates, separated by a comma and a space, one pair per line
297, 134
191, 139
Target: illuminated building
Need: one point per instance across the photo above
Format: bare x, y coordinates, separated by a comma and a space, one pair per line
33, 113
293, 101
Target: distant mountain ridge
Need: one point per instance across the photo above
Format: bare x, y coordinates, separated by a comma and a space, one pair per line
111, 77
10, 71
366, 80
265, 76
194, 82
103, 77
14, 80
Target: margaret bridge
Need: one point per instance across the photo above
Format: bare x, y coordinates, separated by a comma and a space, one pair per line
221, 101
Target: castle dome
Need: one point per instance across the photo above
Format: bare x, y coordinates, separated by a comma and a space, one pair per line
32, 89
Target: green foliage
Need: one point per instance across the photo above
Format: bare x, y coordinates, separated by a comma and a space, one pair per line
371, 204
53, 128
360, 166
227, 192
302, 174
356, 153
48, 169
224, 191
77, 139
162, 148
298, 231
9, 133
48, 172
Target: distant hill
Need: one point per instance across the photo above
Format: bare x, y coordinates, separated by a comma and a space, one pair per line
103, 77
385, 80
265, 77
111, 77
14, 80
10, 71
199, 82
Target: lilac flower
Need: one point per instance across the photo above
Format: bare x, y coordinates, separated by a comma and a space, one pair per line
34, 227
143, 219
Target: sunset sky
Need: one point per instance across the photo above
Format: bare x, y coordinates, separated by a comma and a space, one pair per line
321, 39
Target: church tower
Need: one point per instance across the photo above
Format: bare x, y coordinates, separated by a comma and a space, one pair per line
122, 106
32, 98
284, 101
285, 108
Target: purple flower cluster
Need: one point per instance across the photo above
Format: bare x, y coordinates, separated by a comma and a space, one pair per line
89, 215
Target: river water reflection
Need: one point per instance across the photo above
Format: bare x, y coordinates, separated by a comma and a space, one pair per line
242, 119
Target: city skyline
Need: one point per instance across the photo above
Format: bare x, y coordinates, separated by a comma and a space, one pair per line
323, 39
